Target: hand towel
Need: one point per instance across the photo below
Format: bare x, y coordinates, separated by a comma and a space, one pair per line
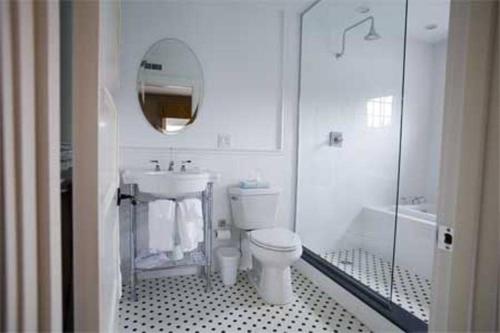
161, 225
190, 223
249, 184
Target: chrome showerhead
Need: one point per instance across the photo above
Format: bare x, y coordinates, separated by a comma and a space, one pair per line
372, 34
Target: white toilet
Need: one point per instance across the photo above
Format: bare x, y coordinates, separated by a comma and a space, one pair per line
271, 250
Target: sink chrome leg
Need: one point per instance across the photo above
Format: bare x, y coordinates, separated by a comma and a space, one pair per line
133, 291
201, 273
208, 286
132, 243
208, 196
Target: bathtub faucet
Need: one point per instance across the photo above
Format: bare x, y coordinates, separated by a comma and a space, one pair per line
418, 200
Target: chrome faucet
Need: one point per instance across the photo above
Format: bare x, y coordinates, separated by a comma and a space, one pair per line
171, 166
183, 165
418, 200
157, 164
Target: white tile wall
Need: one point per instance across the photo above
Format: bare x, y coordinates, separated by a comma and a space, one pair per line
422, 121
239, 48
335, 184
208, 28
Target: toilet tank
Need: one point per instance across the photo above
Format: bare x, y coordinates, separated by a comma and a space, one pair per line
254, 208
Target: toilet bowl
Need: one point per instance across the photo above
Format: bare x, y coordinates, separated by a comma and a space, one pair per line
274, 250
267, 251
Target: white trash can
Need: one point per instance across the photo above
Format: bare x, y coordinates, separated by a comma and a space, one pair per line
229, 258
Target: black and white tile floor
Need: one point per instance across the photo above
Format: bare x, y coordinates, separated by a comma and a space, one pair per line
180, 304
411, 291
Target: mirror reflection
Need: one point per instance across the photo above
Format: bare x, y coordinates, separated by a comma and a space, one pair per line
170, 86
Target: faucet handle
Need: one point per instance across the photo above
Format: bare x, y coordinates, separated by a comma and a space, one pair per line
171, 165
156, 163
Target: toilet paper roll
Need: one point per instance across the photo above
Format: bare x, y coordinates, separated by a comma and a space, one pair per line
223, 234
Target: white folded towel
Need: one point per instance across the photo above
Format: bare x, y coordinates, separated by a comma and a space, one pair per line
190, 223
161, 225
151, 260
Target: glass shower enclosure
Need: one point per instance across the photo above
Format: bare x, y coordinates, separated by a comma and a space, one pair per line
350, 128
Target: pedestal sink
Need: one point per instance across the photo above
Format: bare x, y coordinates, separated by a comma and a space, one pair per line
168, 183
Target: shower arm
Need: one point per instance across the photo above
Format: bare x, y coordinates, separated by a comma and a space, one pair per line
369, 18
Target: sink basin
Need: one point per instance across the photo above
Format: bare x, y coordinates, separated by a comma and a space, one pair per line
167, 183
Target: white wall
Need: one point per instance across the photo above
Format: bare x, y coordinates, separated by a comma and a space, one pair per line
240, 50
423, 119
436, 120
418, 110
336, 183
221, 44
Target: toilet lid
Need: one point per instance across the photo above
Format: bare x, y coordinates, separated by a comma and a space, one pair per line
275, 239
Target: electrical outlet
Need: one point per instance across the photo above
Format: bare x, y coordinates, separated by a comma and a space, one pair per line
223, 141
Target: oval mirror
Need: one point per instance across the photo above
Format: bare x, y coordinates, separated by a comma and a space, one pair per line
170, 85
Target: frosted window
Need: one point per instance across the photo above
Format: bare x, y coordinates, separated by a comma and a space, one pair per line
379, 112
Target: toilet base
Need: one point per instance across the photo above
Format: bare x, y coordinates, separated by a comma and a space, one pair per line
273, 285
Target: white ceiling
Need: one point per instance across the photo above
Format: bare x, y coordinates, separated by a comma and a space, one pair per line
425, 12
420, 12
389, 14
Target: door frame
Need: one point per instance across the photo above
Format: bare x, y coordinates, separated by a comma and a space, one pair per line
468, 79
86, 19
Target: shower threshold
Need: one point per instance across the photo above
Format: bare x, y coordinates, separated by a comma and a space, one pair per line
411, 291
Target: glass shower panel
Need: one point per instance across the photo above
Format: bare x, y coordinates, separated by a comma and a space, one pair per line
352, 60
425, 74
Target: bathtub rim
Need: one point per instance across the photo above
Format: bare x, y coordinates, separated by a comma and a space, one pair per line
386, 210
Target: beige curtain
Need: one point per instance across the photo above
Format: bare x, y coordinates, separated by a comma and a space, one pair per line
30, 251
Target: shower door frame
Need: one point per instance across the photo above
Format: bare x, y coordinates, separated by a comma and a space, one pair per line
384, 306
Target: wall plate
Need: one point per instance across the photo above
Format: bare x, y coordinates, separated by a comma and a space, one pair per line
446, 237
335, 139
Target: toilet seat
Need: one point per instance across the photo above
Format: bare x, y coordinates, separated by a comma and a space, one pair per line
275, 239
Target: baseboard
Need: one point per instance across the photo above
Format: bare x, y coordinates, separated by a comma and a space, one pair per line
354, 305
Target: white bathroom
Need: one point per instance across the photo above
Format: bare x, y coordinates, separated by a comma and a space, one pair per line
222, 197
249, 166
241, 61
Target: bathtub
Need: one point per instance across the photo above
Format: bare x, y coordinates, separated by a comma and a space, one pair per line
415, 239
425, 212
